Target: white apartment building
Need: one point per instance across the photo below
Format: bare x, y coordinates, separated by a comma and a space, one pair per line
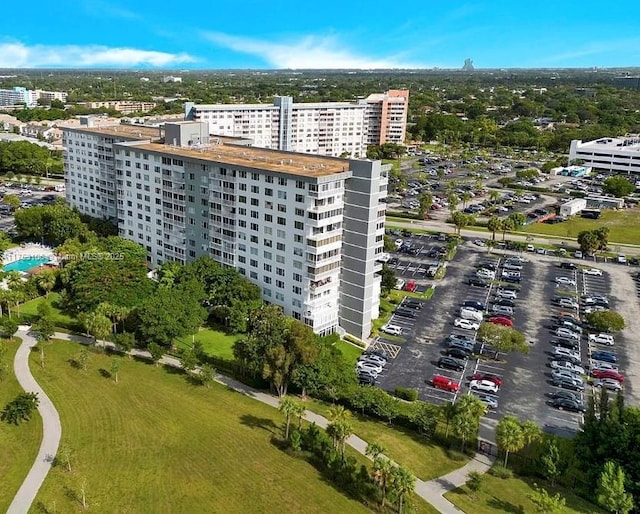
306, 229
18, 95
330, 128
612, 154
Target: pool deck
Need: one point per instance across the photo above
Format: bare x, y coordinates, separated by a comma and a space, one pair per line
28, 251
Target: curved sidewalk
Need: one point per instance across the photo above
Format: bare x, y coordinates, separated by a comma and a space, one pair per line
51, 429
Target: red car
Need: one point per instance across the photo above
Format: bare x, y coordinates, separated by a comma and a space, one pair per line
501, 320
488, 376
445, 383
410, 286
607, 373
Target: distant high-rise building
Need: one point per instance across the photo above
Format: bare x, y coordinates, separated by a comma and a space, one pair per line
306, 229
328, 128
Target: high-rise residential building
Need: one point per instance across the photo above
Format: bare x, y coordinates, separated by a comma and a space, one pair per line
329, 128
613, 154
306, 229
22, 95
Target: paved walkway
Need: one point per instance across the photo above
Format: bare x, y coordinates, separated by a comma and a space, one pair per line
431, 491
51, 429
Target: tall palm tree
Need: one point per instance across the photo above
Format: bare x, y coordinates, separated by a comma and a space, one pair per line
338, 413
287, 407
448, 412
403, 483
494, 195
46, 281
494, 224
465, 197
14, 280
509, 436
531, 433
382, 469
374, 450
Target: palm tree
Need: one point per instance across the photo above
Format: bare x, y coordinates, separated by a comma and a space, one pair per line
339, 432
382, 469
338, 413
506, 225
46, 281
453, 202
448, 412
97, 324
509, 436
465, 197
494, 224
494, 196
299, 412
403, 482
465, 425
531, 433
374, 450
14, 280
288, 408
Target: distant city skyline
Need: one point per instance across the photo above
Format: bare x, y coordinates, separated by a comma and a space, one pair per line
331, 35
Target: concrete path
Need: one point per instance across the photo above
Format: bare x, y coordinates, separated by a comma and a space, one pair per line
51, 429
432, 491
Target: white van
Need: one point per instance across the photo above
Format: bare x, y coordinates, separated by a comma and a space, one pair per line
472, 314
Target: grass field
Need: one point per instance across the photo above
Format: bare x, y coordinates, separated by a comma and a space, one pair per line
155, 443
18, 444
623, 226
350, 352
511, 495
425, 459
215, 343
61, 319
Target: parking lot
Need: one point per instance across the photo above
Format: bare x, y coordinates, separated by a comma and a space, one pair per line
550, 298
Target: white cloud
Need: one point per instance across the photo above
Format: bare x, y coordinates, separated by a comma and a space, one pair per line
18, 55
309, 52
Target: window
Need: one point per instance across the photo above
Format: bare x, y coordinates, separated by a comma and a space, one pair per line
282, 195
267, 267
298, 225
296, 290
300, 212
282, 221
300, 198
268, 218
297, 277
282, 181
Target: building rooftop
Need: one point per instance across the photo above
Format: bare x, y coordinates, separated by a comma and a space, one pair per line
281, 162
122, 130
614, 143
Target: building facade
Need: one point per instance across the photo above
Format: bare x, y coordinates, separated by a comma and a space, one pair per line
18, 95
331, 128
123, 106
620, 155
306, 229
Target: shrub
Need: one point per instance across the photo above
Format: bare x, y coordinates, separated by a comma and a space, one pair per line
499, 471
354, 340
405, 393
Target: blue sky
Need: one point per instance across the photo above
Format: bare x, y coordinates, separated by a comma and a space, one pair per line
328, 34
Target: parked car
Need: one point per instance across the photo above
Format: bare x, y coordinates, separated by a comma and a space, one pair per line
604, 356
563, 373
459, 353
565, 351
474, 305
607, 373
506, 302
565, 365
568, 358
486, 386
606, 339
405, 313
502, 309
567, 404
571, 344
568, 265
478, 282
489, 400
565, 281
451, 363
487, 376
466, 324
471, 314
467, 346
366, 379
592, 271
445, 383
608, 383
574, 384
412, 303
394, 330
604, 366
567, 303
369, 366
485, 273
410, 286
500, 320
376, 359
503, 293
566, 395
566, 333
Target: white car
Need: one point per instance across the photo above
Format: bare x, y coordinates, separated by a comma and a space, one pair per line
504, 293
592, 271
369, 366
502, 309
510, 274
512, 266
566, 333
606, 339
373, 359
394, 330
383, 257
594, 308
485, 386
399, 243
479, 242
608, 383
564, 373
622, 259
486, 273
467, 324
578, 370
567, 303
565, 281
472, 314
560, 351
400, 283
604, 366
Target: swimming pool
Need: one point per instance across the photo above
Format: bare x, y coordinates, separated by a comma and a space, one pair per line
25, 264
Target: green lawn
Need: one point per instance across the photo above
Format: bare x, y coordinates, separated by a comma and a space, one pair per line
425, 459
623, 226
215, 343
511, 495
155, 443
18, 444
60, 318
351, 352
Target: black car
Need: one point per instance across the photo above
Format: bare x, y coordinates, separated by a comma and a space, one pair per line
571, 344
510, 287
451, 363
365, 379
488, 265
412, 304
377, 351
567, 383
459, 353
568, 265
505, 302
567, 404
567, 358
478, 282
405, 313
460, 337
474, 305
466, 346
393, 261
567, 395
512, 280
